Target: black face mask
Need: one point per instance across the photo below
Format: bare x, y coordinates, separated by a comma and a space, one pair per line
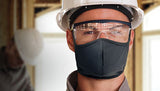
101, 58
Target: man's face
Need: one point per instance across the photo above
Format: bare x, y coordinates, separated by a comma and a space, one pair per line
98, 14
12, 56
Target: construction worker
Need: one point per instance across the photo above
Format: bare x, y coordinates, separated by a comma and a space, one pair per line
13, 72
23, 48
100, 32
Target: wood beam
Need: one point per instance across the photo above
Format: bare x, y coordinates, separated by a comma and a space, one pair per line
138, 57
41, 5
56, 6
54, 35
30, 13
147, 1
152, 7
129, 70
150, 33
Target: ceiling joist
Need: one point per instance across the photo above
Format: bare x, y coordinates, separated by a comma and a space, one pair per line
54, 7
41, 5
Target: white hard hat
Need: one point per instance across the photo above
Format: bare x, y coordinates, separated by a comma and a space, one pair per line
29, 43
70, 6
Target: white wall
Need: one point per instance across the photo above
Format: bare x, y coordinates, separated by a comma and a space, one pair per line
151, 20
54, 65
56, 60
47, 23
151, 63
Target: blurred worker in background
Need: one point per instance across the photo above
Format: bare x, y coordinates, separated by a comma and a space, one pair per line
13, 72
22, 49
100, 32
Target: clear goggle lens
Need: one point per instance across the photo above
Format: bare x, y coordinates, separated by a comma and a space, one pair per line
89, 31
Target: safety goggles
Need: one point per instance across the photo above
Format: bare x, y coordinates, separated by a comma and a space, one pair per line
114, 30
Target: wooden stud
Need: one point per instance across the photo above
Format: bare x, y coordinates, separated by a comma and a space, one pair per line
30, 13
129, 70
138, 59
31, 71
138, 56
27, 14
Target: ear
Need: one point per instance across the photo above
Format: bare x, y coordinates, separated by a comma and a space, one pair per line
70, 42
131, 39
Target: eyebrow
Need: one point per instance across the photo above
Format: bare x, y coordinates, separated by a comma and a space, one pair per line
88, 26
118, 26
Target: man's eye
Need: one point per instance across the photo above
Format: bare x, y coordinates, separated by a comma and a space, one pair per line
89, 32
116, 32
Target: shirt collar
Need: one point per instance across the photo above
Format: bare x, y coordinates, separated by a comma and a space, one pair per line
72, 83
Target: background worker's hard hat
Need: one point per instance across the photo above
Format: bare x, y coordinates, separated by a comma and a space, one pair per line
70, 6
29, 43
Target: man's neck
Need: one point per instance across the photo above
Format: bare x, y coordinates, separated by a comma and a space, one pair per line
90, 84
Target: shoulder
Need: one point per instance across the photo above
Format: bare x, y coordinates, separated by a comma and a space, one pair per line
72, 81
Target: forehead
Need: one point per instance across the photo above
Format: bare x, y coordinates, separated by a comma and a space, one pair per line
99, 14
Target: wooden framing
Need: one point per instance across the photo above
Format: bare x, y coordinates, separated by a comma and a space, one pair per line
129, 70
28, 13
47, 1
147, 1
138, 57
54, 7
152, 7
31, 71
155, 32
28, 18
40, 5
